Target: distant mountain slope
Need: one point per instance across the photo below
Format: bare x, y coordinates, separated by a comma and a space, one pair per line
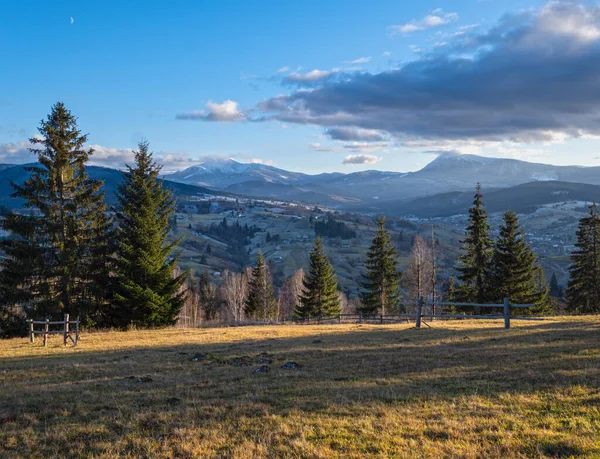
221, 173
448, 173
111, 177
522, 198
310, 193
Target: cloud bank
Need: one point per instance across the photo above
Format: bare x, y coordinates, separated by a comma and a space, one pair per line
533, 78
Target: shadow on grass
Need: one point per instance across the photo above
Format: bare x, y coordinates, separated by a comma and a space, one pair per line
214, 383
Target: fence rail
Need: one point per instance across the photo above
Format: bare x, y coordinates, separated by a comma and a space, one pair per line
419, 315
65, 331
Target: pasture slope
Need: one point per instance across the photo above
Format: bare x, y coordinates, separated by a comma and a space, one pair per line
459, 389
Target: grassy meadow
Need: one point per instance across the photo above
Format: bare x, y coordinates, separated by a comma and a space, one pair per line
457, 389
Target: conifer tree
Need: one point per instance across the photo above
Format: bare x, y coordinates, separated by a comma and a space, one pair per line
515, 273
474, 264
555, 289
381, 291
319, 295
57, 259
583, 290
149, 292
260, 303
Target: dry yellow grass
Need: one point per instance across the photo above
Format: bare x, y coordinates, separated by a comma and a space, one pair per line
459, 389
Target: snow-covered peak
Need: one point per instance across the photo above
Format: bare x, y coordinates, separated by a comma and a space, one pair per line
221, 166
452, 159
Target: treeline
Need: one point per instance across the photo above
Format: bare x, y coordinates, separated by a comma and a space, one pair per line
507, 267
332, 228
236, 236
69, 253
250, 295
489, 271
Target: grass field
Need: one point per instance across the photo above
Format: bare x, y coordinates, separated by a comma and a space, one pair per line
459, 389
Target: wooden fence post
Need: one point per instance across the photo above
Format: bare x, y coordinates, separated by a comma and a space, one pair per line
31, 334
66, 329
419, 312
506, 314
76, 330
46, 329
339, 318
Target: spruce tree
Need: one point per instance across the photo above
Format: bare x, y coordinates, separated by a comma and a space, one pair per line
149, 292
57, 259
515, 273
319, 295
474, 263
380, 289
555, 290
583, 290
260, 303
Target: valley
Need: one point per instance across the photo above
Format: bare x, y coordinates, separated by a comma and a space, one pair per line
280, 208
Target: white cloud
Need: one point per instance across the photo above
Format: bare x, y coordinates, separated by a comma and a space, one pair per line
360, 60
283, 69
386, 54
16, 153
436, 18
310, 77
361, 159
224, 112
570, 20
267, 162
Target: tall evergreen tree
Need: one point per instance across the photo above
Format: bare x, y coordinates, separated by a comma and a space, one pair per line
380, 289
260, 303
57, 259
583, 290
149, 292
474, 264
515, 273
319, 296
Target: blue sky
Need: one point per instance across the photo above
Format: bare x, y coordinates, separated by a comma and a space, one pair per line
311, 86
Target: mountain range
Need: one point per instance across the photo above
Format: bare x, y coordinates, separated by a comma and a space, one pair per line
443, 187
383, 191
111, 178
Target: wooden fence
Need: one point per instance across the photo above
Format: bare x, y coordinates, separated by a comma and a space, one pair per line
420, 315
66, 330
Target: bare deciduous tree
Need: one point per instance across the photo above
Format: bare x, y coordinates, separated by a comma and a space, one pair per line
418, 275
234, 292
289, 294
191, 313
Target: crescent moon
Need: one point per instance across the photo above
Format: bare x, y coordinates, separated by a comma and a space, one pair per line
72, 20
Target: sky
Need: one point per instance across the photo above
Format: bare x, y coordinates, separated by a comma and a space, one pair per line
312, 86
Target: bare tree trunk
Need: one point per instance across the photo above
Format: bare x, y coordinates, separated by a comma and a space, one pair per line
234, 291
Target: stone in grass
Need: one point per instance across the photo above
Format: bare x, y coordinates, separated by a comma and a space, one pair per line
264, 361
262, 369
198, 357
290, 365
144, 379
243, 361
